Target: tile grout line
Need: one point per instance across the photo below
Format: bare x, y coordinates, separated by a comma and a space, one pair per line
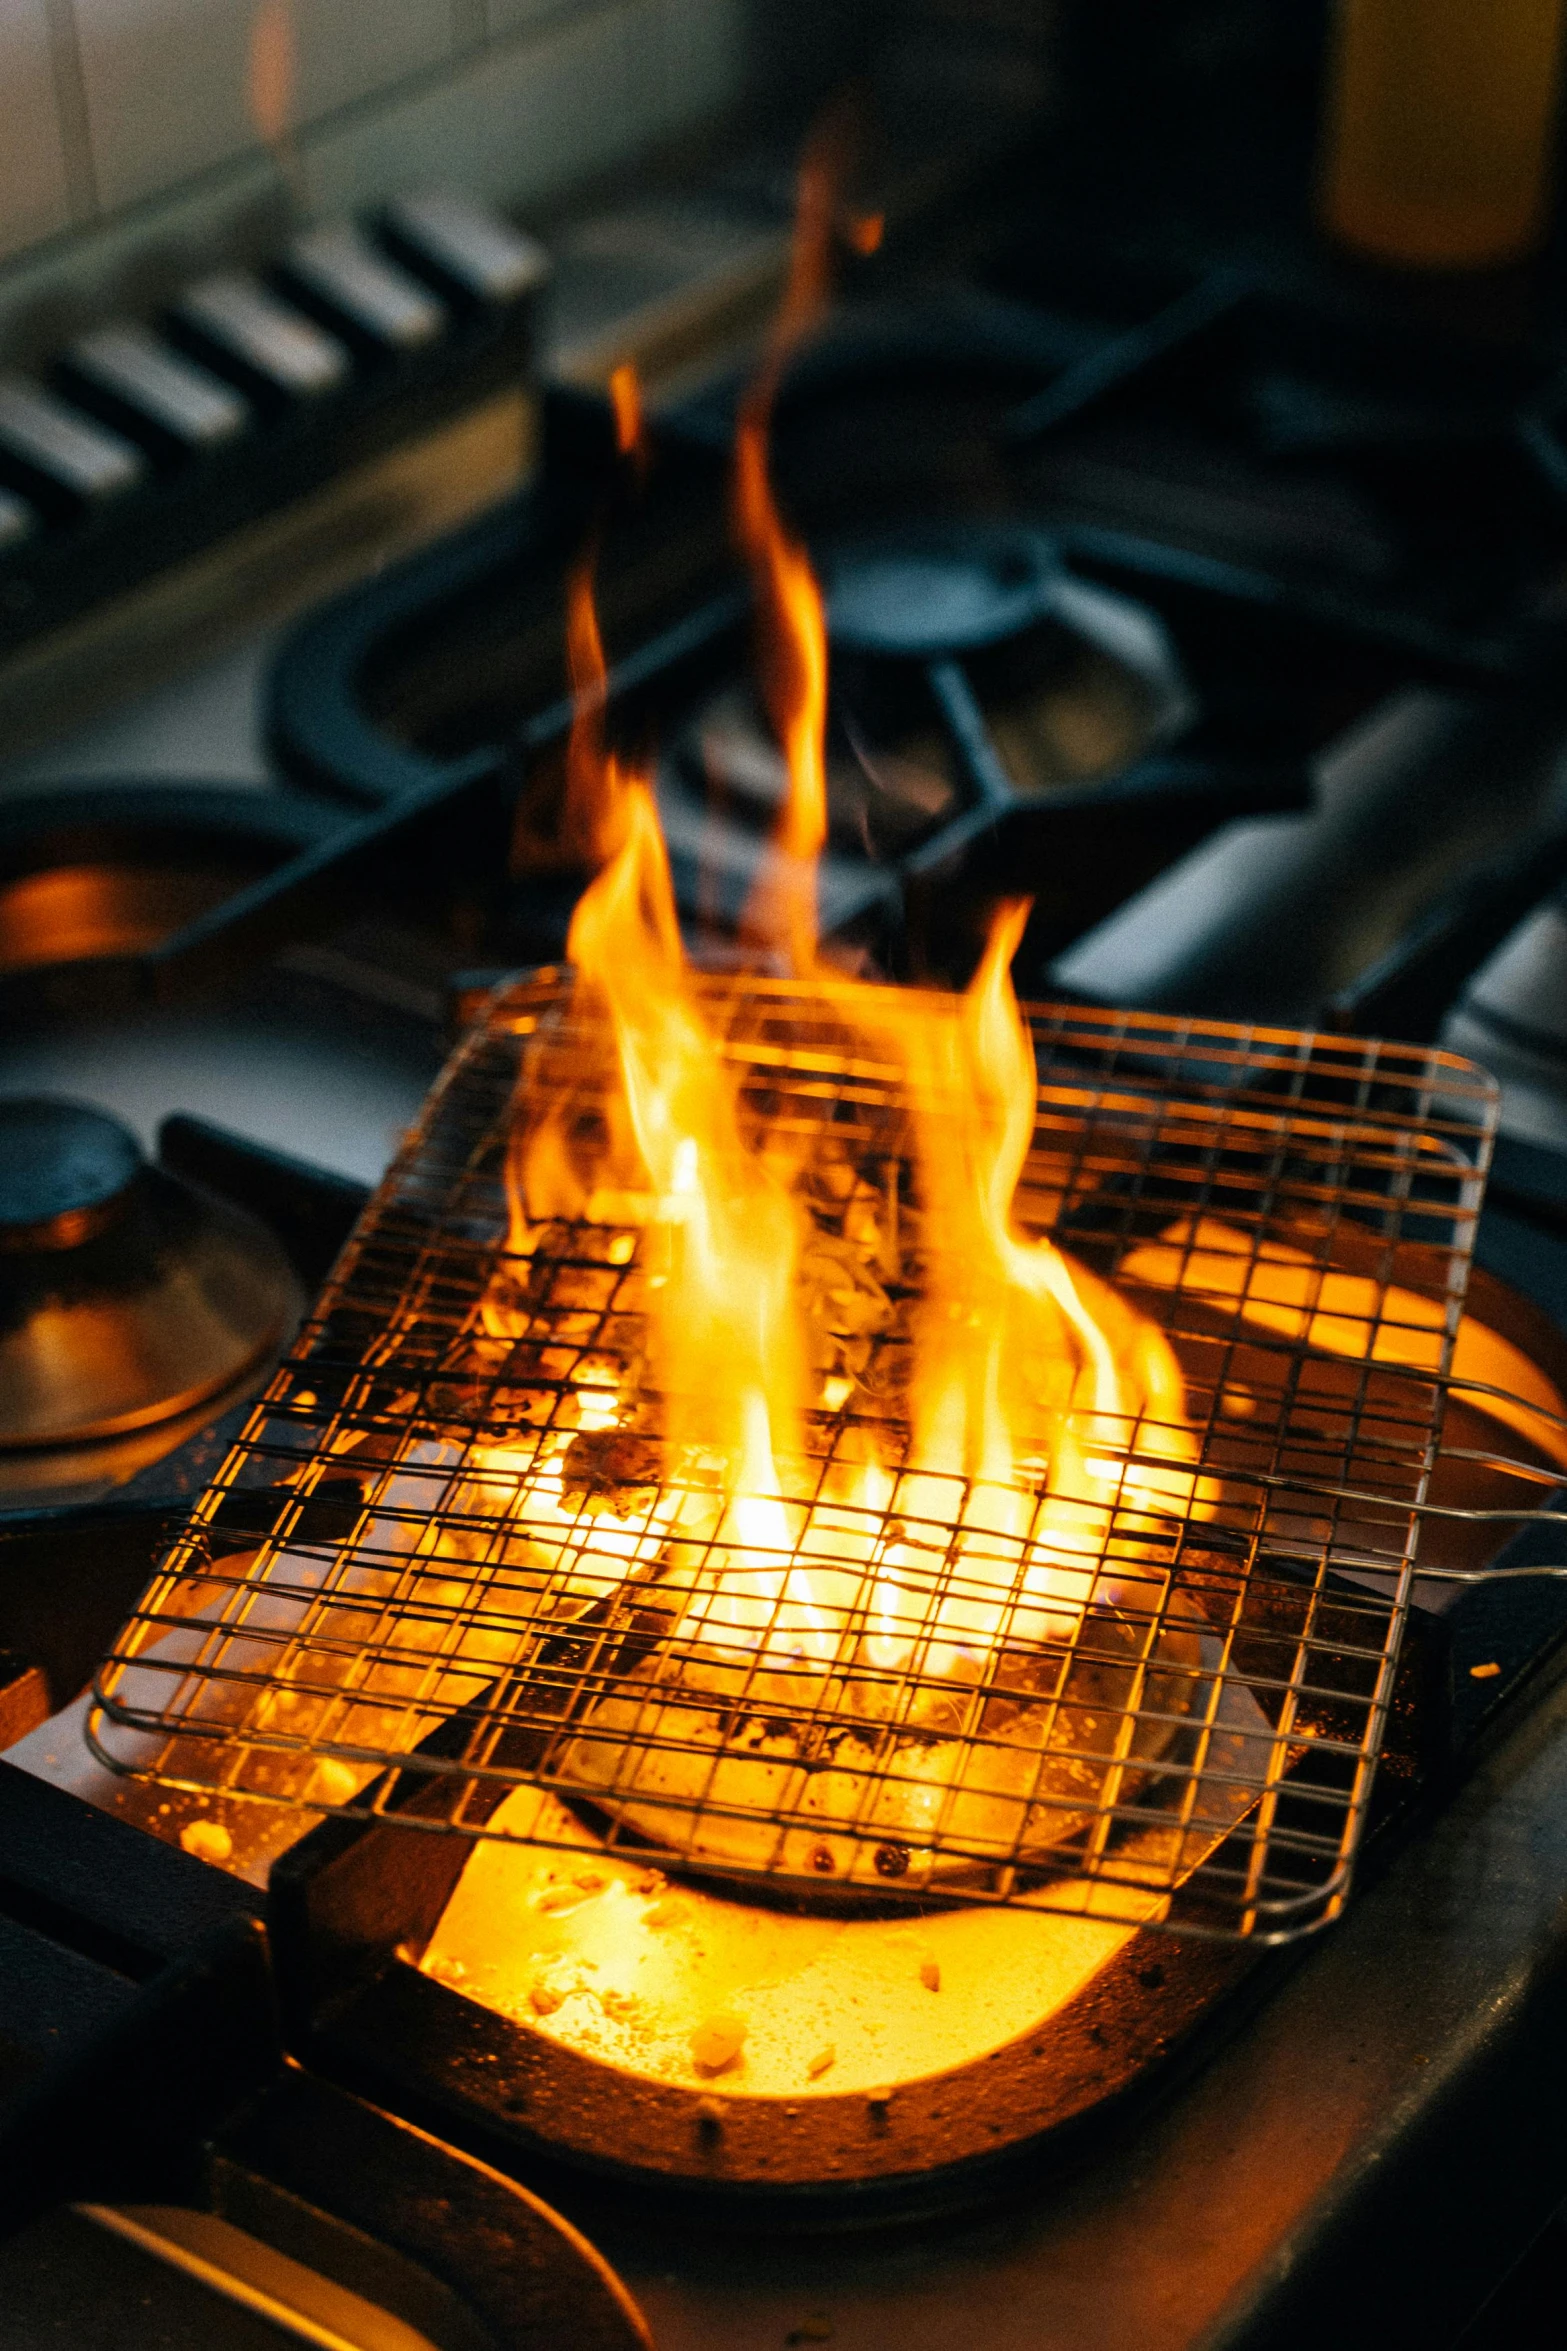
90, 219
70, 91
533, 32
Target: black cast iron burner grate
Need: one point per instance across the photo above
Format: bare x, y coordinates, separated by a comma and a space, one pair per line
447, 1573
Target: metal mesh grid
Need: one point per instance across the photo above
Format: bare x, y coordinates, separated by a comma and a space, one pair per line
363, 1585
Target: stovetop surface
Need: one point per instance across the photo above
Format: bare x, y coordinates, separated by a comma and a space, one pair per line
1269, 918
1355, 2154
1400, 2079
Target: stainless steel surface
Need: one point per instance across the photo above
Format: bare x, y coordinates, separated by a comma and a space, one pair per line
1272, 920
169, 681
171, 391
1387, 2118
1513, 1017
170, 685
133, 1300
307, 1084
83, 459
680, 287
245, 2276
239, 315
484, 254
363, 286
206, 722
17, 519
1269, 921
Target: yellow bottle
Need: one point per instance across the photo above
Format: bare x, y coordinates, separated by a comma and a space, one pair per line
1439, 127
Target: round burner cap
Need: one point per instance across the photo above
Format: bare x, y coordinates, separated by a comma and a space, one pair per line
63, 1168
927, 592
127, 1297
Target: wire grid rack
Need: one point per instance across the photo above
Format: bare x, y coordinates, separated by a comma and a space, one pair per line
420, 1585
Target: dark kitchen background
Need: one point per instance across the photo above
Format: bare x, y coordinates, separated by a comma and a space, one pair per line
1184, 458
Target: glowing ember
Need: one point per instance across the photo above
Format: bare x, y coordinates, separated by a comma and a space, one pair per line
1011, 1457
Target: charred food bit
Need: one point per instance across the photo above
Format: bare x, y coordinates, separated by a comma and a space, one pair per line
611, 1469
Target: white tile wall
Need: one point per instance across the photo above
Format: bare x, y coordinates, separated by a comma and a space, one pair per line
508, 16
513, 98
34, 196
351, 48
165, 82
515, 121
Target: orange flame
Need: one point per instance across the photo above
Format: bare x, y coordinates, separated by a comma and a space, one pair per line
782, 912
792, 624
733, 1230
865, 232
1037, 1453
593, 815
1043, 1414
809, 282
625, 399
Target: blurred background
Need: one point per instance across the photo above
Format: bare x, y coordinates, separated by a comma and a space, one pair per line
138, 129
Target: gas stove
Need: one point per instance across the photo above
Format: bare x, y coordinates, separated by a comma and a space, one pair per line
1159, 593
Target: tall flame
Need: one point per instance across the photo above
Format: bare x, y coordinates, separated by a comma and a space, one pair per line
594, 814
1036, 1450
792, 624
1043, 1414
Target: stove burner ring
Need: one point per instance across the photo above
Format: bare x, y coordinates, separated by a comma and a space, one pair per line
126, 1296
1055, 1730
96, 874
924, 593
65, 1171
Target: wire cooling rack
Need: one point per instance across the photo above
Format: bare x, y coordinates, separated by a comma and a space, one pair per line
434, 1576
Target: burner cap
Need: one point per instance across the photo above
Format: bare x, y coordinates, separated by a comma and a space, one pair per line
127, 1297
64, 1168
918, 595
